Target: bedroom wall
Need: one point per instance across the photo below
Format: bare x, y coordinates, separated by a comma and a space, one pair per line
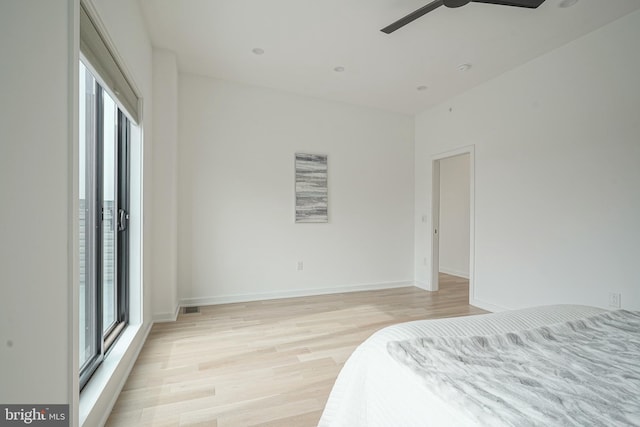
165, 198
38, 186
557, 180
237, 236
35, 188
454, 215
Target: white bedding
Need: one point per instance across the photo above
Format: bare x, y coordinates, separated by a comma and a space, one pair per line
374, 390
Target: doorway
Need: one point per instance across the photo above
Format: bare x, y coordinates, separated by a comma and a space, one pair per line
453, 214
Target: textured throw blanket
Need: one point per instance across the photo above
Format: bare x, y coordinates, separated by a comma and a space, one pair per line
578, 373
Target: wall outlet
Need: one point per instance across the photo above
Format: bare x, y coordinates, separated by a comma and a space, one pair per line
300, 265
424, 261
615, 300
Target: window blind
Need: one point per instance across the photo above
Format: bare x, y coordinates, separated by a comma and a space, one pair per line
102, 59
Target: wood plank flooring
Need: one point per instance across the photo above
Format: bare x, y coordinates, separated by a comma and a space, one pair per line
267, 363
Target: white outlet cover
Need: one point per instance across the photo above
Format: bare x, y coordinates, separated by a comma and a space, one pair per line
614, 300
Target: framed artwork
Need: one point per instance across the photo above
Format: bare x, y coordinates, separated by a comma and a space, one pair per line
312, 196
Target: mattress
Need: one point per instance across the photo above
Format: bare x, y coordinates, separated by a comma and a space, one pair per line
373, 389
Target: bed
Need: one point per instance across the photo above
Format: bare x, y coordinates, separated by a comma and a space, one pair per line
442, 372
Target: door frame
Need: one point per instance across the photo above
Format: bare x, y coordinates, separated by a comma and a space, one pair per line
435, 215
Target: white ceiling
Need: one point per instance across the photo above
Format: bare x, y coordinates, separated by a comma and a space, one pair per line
304, 40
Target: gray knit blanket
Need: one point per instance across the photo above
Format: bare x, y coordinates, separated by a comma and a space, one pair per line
578, 373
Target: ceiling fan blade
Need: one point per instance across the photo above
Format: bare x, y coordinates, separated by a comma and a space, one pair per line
532, 4
412, 16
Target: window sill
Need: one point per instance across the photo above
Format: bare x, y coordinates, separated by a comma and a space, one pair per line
102, 390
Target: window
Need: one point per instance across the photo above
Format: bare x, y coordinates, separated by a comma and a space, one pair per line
104, 182
109, 143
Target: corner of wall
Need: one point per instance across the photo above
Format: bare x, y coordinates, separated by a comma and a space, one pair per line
167, 316
487, 306
165, 199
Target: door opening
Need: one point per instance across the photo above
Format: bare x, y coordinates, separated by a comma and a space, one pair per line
453, 213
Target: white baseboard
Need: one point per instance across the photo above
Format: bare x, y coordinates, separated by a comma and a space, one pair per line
166, 316
422, 285
228, 299
454, 272
487, 306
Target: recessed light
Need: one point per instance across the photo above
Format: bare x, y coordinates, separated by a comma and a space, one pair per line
257, 51
567, 3
464, 67
422, 88
338, 69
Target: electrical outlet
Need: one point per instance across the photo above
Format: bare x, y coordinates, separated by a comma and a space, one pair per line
300, 265
615, 300
424, 261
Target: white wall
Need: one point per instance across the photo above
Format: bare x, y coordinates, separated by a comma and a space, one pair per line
165, 198
38, 187
557, 149
454, 215
35, 188
237, 236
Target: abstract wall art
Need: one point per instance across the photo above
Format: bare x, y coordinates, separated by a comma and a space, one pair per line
312, 196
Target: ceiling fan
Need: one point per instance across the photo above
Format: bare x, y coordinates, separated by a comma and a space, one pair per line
531, 4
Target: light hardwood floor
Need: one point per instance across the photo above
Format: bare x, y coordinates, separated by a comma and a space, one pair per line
267, 363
